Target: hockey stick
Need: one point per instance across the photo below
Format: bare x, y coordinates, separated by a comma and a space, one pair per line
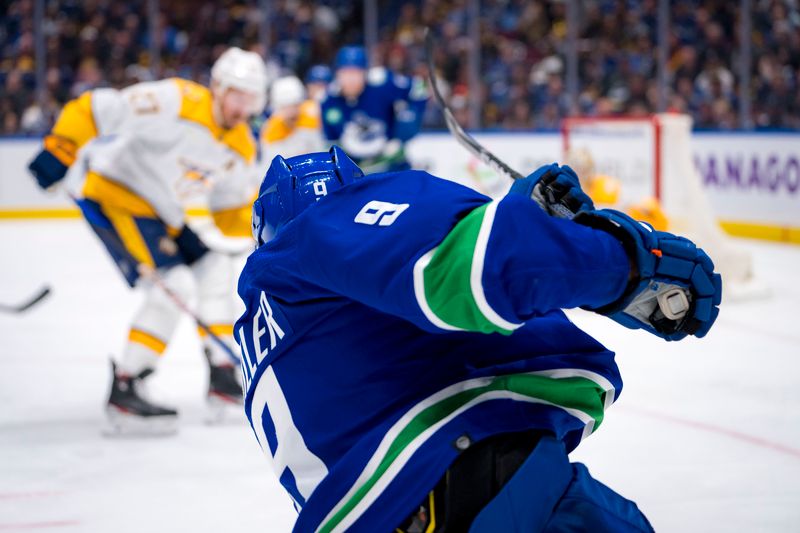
464, 139
488, 158
468, 141
151, 274
43, 293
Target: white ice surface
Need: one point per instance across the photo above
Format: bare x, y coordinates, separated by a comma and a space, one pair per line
706, 435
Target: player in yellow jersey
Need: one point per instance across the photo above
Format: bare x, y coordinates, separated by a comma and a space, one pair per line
129, 158
605, 191
294, 127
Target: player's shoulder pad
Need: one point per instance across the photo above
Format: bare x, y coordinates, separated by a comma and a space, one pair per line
413, 186
378, 76
412, 203
190, 89
309, 115
240, 140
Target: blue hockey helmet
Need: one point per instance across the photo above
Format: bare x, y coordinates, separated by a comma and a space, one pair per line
294, 184
351, 56
319, 74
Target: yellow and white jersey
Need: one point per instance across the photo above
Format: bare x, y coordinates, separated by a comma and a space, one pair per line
278, 137
160, 141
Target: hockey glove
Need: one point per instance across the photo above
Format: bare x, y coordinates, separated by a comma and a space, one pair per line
51, 164
673, 290
556, 189
190, 245
393, 153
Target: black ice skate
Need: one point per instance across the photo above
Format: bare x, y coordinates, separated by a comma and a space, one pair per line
131, 413
224, 390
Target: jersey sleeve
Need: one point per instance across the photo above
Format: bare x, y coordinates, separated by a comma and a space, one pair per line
80, 121
231, 199
410, 98
332, 117
449, 260
75, 125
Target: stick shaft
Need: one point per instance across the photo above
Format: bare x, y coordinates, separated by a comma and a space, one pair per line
27, 304
152, 275
464, 139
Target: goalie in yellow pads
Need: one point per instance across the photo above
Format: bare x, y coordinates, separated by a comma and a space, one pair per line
605, 191
130, 158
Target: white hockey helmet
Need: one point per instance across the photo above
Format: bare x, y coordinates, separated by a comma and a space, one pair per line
286, 91
242, 70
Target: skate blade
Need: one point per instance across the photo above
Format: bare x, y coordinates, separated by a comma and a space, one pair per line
124, 425
223, 410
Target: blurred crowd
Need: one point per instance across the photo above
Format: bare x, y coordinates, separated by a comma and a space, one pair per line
93, 43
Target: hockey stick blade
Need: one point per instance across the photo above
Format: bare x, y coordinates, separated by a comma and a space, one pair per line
43, 293
463, 138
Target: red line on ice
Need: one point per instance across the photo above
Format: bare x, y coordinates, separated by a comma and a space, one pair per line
711, 428
39, 525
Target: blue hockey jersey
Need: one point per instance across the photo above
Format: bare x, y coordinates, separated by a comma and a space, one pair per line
390, 107
404, 312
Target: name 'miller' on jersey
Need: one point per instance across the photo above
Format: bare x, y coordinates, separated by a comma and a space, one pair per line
402, 312
261, 336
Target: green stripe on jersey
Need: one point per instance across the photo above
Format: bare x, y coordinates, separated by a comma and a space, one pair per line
581, 397
451, 281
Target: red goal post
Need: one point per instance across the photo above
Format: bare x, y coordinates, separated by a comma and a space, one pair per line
652, 156
626, 148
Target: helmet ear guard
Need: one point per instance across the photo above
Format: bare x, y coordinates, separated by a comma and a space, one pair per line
292, 185
346, 168
261, 233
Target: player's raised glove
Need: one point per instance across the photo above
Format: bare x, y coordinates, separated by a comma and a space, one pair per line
556, 189
673, 290
51, 164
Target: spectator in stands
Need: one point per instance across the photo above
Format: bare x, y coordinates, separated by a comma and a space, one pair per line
522, 49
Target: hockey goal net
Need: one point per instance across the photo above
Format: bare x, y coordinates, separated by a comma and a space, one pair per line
652, 157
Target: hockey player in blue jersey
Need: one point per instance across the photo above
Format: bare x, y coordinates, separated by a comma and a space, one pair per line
407, 363
372, 113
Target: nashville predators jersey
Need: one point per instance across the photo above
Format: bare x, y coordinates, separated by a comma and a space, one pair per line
161, 141
301, 136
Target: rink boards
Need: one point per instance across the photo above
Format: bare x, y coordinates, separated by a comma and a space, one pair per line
752, 179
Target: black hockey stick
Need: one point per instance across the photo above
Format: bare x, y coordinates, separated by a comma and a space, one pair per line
488, 158
467, 141
151, 274
464, 139
43, 293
